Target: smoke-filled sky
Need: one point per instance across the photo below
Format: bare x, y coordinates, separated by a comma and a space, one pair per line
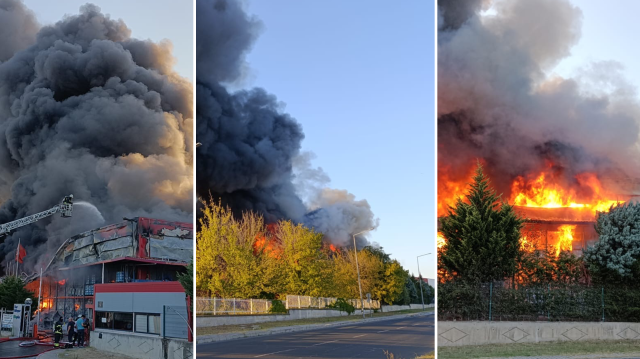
358, 80
148, 19
510, 92
607, 28
88, 109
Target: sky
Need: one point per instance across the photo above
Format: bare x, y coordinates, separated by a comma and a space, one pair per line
608, 30
147, 19
360, 80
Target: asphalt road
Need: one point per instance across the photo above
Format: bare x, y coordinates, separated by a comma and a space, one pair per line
405, 338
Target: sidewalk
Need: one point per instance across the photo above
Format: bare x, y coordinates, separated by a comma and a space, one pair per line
298, 328
80, 353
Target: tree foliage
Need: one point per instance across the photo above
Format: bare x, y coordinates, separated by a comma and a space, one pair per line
482, 235
12, 292
246, 258
614, 257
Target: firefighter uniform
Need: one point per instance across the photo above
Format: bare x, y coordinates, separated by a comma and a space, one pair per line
57, 333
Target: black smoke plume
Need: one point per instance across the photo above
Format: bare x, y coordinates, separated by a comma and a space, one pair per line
250, 156
87, 110
500, 101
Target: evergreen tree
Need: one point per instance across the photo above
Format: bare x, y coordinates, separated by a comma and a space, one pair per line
12, 292
614, 257
482, 235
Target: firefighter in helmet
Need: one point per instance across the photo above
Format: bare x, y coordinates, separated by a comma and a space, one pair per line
57, 332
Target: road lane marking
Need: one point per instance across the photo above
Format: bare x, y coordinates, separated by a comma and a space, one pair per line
333, 341
282, 351
400, 328
358, 336
382, 331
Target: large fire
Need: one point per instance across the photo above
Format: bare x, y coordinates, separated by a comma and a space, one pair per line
542, 190
583, 195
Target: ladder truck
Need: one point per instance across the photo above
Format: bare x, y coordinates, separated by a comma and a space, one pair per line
65, 208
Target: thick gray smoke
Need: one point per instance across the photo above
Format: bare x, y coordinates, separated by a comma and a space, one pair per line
18, 26
250, 155
499, 100
87, 110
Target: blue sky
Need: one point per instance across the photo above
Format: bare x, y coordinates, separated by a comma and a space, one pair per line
147, 19
359, 77
607, 31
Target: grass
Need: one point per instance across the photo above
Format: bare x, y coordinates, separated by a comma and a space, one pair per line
225, 329
541, 349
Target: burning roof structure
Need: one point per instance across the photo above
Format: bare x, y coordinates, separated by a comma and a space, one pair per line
559, 149
139, 238
133, 251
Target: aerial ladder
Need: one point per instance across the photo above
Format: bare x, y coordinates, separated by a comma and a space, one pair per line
65, 208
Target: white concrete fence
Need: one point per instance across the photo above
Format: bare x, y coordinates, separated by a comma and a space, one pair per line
460, 333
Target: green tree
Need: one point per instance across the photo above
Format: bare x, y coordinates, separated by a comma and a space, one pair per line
12, 292
614, 257
304, 267
186, 280
482, 235
233, 256
544, 266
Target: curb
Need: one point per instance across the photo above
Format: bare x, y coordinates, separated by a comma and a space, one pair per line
214, 338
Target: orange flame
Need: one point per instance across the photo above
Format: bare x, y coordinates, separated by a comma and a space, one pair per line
268, 242
565, 238
441, 242
526, 245
62, 282
333, 248
543, 190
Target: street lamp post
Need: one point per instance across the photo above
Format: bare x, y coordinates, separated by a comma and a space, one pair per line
420, 278
355, 250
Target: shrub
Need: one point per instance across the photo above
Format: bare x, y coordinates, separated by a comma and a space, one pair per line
342, 305
277, 307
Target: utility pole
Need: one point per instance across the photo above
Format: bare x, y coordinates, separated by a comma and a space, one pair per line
420, 278
355, 250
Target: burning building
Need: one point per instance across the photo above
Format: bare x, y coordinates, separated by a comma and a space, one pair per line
558, 149
122, 277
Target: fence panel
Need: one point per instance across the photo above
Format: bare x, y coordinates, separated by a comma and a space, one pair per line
231, 306
303, 302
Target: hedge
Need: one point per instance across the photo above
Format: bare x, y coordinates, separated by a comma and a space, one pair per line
550, 302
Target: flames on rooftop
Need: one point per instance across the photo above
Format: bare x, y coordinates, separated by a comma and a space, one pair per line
559, 209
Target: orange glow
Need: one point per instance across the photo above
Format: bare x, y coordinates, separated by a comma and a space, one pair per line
62, 282
543, 190
77, 306
45, 305
268, 242
452, 186
441, 242
565, 238
332, 248
526, 245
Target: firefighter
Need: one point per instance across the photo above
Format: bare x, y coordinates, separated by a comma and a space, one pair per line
71, 326
57, 332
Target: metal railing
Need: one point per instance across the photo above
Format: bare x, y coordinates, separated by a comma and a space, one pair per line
231, 306
301, 302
